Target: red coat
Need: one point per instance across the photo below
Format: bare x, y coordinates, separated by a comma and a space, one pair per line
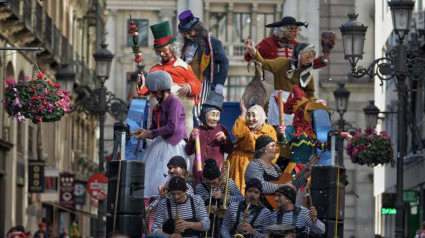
269, 48
181, 73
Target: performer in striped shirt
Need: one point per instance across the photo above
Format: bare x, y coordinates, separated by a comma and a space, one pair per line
213, 180
304, 220
176, 167
249, 221
192, 216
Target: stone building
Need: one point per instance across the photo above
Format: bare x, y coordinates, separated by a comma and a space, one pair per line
68, 33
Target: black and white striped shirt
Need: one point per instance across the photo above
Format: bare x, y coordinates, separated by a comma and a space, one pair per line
261, 222
154, 205
303, 220
256, 169
185, 213
234, 194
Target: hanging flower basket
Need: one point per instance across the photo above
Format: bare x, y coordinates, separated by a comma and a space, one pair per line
370, 148
36, 99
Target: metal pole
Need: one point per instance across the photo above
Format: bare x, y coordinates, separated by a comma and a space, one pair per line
340, 141
400, 65
100, 232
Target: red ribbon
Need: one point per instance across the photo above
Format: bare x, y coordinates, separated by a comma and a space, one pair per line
163, 40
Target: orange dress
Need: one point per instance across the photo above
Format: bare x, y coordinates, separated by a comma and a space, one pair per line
244, 149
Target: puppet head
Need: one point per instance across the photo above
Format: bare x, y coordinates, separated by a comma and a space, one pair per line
211, 109
255, 117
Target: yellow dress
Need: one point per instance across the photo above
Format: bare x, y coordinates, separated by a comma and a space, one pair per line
244, 149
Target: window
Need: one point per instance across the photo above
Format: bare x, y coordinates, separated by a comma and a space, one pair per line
241, 27
235, 87
218, 23
143, 26
262, 20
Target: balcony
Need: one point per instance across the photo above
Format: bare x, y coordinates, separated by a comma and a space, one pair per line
235, 52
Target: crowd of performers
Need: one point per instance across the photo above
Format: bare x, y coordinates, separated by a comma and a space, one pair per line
238, 191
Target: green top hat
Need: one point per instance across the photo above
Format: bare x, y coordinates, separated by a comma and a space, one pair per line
162, 34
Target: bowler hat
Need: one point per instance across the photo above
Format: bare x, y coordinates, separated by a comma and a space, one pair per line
287, 21
187, 21
158, 80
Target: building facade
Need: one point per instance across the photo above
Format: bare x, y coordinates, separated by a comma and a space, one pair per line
386, 99
67, 32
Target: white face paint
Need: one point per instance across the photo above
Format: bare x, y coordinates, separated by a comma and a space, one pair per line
252, 118
212, 117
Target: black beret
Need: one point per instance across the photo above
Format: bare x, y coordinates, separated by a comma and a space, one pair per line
177, 183
288, 192
254, 182
211, 170
262, 141
178, 161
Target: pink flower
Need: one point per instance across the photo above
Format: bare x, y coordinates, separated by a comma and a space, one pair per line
20, 117
16, 102
355, 151
38, 118
10, 81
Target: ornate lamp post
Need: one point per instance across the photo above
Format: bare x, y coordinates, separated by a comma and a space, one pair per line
397, 64
371, 113
341, 97
99, 103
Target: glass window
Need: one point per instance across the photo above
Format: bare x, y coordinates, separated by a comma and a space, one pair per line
218, 23
241, 27
235, 87
262, 20
143, 26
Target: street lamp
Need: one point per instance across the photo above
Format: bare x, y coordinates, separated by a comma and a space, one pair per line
98, 103
66, 76
397, 64
341, 97
371, 113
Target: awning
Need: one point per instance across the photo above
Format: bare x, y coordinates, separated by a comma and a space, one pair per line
73, 210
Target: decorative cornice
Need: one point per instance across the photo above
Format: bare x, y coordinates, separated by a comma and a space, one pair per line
5, 146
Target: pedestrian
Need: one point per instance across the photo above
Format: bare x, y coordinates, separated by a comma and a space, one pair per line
302, 219
185, 86
167, 131
205, 54
247, 217
41, 232
192, 217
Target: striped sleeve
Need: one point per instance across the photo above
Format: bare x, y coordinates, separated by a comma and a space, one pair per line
317, 228
201, 213
234, 194
160, 217
202, 192
154, 204
229, 219
262, 222
255, 170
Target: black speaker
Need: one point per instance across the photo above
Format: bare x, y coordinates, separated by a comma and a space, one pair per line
330, 229
324, 188
325, 201
326, 177
130, 225
130, 198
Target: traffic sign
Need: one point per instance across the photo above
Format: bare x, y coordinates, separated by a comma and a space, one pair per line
98, 186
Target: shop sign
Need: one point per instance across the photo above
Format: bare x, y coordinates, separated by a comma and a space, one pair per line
410, 196
67, 189
80, 192
35, 176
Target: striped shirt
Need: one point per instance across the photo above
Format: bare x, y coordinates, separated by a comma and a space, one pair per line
185, 213
256, 169
234, 194
154, 204
303, 220
263, 220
